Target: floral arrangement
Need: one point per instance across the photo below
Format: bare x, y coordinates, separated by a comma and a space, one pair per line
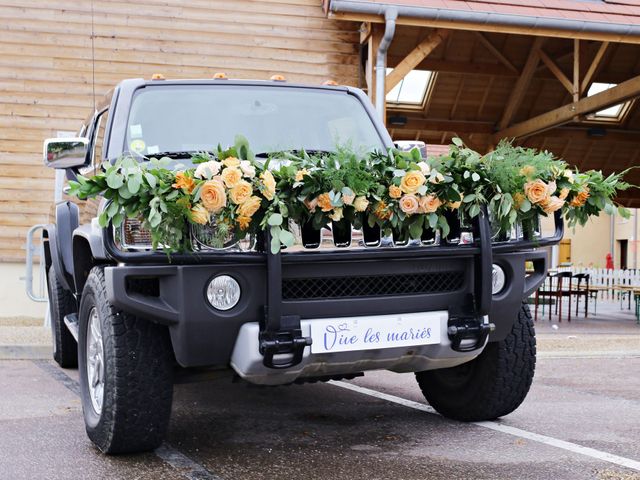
398, 192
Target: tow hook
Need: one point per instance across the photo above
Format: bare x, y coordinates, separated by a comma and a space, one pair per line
287, 341
470, 328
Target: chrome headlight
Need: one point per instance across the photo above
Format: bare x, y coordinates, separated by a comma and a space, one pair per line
204, 237
498, 279
131, 235
223, 292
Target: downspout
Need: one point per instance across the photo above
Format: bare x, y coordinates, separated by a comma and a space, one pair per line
390, 16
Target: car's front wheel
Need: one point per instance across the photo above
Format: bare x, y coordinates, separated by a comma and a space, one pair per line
492, 385
126, 374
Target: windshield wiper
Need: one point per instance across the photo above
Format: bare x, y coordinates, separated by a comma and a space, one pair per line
178, 155
292, 152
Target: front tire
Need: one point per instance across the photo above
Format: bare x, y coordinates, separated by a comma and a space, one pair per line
126, 374
61, 303
492, 385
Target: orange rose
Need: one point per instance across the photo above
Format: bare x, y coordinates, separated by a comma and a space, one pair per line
269, 184
199, 214
324, 202
536, 191
300, 174
213, 196
185, 183
395, 192
240, 192
455, 205
429, 204
563, 193
311, 204
244, 222
412, 181
581, 198
552, 204
250, 206
231, 176
381, 211
409, 204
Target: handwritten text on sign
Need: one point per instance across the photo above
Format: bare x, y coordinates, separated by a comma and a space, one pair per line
382, 331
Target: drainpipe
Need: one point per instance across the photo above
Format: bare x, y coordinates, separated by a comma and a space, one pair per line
390, 16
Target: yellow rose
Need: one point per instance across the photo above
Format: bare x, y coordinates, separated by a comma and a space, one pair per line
231, 162
518, 198
231, 176
269, 184
412, 181
536, 191
249, 207
241, 192
300, 174
213, 196
360, 204
395, 192
430, 203
324, 202
243, 222
336, 216
199, 214
409, 204
552, 204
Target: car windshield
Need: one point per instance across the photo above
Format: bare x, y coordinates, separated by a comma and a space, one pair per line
187, 118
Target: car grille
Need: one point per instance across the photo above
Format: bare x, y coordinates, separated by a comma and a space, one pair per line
369, 286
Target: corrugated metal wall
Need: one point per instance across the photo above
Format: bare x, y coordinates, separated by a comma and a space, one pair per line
46, 69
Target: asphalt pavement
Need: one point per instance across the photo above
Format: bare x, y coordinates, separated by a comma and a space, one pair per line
581, 420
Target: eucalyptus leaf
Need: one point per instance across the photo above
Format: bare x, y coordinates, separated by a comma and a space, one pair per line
286, 237
275, 220
151, 179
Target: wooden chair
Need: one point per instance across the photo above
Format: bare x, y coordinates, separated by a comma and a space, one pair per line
580, 288
557, 286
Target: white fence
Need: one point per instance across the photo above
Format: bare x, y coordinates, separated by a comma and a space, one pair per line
609, 281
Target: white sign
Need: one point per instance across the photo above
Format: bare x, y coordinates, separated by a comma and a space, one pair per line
381, 331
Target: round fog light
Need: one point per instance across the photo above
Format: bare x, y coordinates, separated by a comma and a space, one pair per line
223, 292
498, 279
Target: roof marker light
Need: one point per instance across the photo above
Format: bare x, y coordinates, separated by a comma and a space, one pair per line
157, 76
278, 78
220, 76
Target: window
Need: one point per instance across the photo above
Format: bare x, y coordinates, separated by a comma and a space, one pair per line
412, 90
613, 114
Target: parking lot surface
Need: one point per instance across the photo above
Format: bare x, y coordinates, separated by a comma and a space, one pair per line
225, 430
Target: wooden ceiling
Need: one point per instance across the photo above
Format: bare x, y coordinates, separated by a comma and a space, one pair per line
477, 74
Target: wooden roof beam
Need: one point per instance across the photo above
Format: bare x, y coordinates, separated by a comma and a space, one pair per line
496, 53
618, 94
417, 55
522, 83
559, 74
591, 71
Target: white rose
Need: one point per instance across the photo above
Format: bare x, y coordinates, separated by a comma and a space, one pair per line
207, 169
426, 169
248, 170
360, 204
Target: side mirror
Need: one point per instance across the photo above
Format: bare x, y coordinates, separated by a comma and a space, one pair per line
65, 152
408, 145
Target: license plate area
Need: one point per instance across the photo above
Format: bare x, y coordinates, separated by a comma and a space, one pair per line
346, 334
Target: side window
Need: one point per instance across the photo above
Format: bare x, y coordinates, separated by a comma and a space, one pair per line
98, 138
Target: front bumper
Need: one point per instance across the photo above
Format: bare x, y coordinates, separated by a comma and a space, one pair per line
175, 295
